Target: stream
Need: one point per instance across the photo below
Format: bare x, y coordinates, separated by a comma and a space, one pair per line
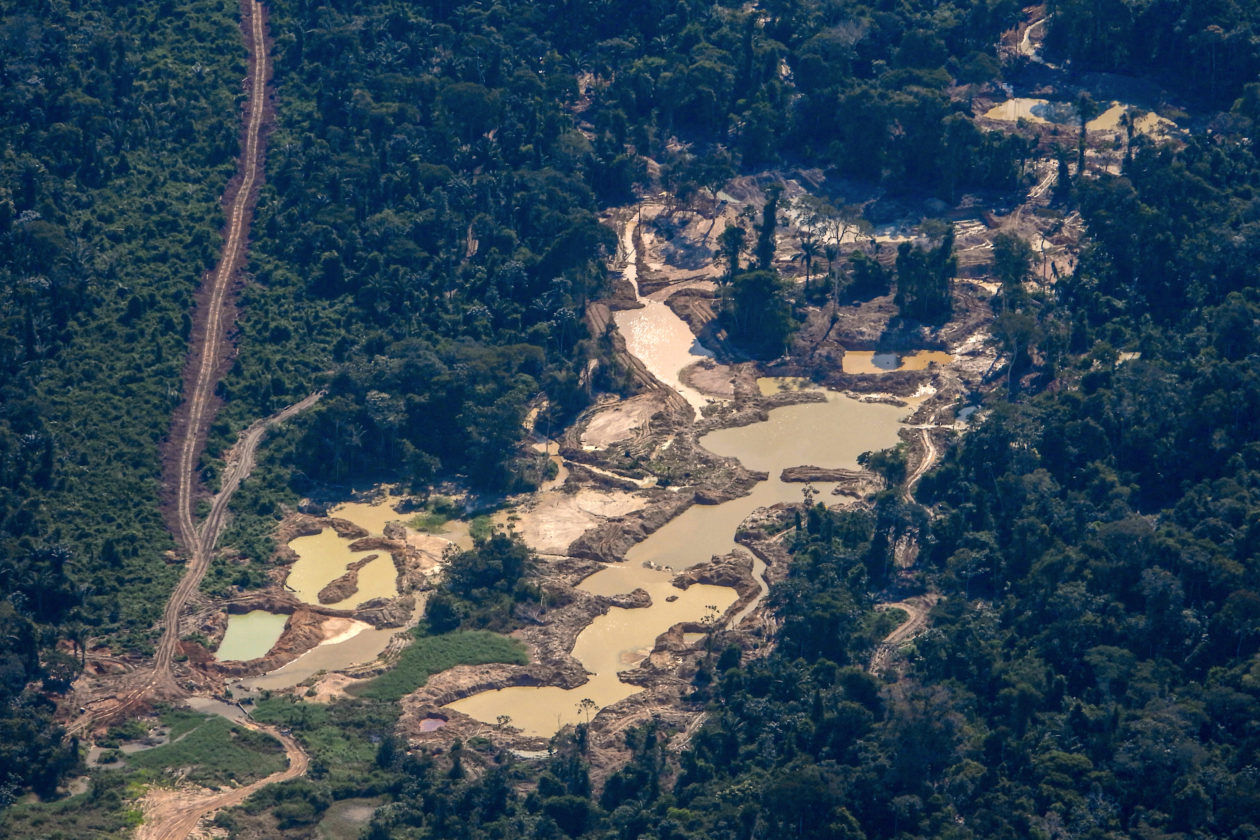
826, 434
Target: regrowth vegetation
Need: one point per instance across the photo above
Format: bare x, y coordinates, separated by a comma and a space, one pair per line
119, 125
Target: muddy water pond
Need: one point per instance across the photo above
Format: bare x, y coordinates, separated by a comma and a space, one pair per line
1033, 110
615, 641
655, 335
823, 434
829, 434
324, 557
867, 361
250, 635
362, 644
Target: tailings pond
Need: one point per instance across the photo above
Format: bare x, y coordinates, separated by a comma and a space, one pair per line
830, 433
322, 558
867, 361
250, 635
655, 335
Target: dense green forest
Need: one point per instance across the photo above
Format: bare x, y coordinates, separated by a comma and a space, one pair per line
1093, 668
428, 229
425, 247
1203, 48
118, 128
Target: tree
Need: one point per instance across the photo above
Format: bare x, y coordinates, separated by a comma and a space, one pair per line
1086, 110
1012, 260
757, 312
924, 279
769, 225
730, 246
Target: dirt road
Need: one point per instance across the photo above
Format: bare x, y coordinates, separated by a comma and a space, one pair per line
173, 814
930, 456
212, 337
917, 609
189, 436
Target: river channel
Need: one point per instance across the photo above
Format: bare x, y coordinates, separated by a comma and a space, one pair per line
831, 433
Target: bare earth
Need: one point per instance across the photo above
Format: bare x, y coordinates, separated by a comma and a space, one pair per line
174, 814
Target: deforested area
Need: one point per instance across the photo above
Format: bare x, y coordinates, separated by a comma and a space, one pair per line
817, 419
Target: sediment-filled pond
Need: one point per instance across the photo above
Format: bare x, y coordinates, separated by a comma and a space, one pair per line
831, 433
250, 635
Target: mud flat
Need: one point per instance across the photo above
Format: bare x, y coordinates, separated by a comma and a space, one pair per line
869, 361
655, 335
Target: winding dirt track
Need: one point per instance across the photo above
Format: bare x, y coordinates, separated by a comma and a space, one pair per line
189, 435
173, 815
233, 251
917, 609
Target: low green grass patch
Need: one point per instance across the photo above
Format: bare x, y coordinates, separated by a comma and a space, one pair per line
481, 527
429, 522
181, 721
432, 654
215, 751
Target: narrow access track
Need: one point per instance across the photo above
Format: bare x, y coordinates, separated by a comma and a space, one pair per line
175, 814
917, 609
199, 543
930, 456
240, 461
198, 402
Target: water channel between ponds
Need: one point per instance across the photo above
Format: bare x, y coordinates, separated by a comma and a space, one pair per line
831, 433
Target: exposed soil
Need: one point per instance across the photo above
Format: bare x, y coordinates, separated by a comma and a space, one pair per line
630, 466
619, 447
210, 350
174, 813
209, 353
917, 609
343, 587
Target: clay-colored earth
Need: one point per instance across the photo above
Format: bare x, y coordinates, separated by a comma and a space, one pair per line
554, 520
620, 420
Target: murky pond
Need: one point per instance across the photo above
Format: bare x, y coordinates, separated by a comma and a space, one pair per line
250, 635
868, 361
357, 644
827, 434
657, 336
324, 557
372, 516
771, 385
613, 642
1033, 110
